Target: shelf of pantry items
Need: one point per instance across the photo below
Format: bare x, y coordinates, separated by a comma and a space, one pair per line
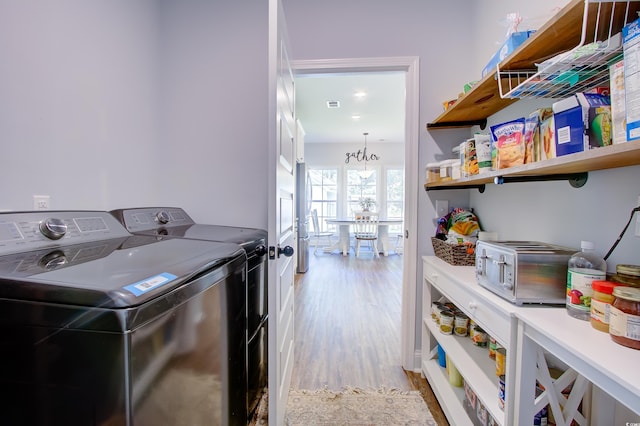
474, 365
561, 33
607, 157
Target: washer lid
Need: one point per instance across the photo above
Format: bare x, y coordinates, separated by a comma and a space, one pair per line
114, 273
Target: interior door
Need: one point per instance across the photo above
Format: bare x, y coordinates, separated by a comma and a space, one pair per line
282, 131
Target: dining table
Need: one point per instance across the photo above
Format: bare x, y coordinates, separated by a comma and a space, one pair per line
344, 228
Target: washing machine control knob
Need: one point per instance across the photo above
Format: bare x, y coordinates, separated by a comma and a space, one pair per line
163, 217
53, 228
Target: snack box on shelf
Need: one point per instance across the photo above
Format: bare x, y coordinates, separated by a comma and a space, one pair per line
511, 44
582, 121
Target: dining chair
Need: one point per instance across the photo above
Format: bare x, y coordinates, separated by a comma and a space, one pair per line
366, 229
317, 234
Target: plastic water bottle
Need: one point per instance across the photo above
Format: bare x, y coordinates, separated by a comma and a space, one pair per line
584, 267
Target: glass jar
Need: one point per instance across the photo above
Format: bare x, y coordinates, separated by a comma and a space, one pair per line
624, 326
627, 275
601, 304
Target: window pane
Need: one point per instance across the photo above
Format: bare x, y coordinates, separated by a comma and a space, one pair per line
324, 195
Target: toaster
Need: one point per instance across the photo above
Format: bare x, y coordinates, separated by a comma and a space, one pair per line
524, 271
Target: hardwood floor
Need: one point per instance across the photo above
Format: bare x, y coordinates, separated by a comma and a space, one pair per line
347, 327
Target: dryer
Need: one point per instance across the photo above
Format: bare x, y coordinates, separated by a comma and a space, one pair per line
176, 223
99, 327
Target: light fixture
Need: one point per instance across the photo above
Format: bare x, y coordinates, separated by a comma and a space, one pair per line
365, 174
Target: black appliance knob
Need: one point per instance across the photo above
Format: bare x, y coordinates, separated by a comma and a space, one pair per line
163, 217
287, 251
261, 250
53, 260
53, 228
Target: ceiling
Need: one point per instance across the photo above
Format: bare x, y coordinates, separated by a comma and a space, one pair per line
381, 109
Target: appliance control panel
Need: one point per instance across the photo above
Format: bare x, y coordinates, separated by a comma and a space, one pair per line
27, 231
152, 218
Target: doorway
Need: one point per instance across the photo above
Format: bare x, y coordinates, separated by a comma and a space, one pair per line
410, 356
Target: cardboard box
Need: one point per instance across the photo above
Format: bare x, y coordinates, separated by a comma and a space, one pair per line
618, 113
573, 123
631, 49
511, 44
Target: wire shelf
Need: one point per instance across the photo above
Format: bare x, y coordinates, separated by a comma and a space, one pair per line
582, 68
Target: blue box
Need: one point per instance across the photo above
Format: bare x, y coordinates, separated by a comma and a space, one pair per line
571, 116
511, 44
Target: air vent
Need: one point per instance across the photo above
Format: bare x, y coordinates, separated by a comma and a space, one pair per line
333, 104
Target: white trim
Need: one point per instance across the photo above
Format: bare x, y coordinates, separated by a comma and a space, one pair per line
409, 64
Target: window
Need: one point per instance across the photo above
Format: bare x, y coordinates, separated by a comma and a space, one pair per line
324, 195
395, 197
359, 189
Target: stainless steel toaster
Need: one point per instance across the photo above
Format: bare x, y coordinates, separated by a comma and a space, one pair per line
524, 271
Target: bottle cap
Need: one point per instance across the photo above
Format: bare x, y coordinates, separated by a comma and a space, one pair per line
588, 245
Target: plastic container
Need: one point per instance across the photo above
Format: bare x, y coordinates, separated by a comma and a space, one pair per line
624, 326
455, 379
456, 168
433, 172
601, 304
445, 170
442, 357
584, 267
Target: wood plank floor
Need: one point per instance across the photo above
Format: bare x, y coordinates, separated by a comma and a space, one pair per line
348, 324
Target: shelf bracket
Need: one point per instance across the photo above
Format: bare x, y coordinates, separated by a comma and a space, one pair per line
576, 180
479, 187
453, 124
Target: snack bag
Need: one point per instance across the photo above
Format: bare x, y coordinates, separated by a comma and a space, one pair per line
532, 152
509, 140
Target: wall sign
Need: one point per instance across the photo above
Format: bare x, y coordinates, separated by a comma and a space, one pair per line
360, 155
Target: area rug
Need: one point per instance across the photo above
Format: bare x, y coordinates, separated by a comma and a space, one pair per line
357, 407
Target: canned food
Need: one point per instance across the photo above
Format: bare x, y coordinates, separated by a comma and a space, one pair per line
501, 361
501, 392
461, 324
479, 337
446, 322
492, 347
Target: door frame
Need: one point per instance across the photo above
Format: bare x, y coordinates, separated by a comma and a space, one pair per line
410, 355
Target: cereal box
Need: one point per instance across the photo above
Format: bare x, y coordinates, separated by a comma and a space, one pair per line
618, 114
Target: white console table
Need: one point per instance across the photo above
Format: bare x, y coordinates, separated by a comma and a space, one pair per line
600, 369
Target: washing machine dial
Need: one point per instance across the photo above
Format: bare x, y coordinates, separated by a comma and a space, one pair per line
53, 228
163, 217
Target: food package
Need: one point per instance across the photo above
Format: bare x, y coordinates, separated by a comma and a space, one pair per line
470, 157
618, 112
483, 151
533, 147
548, 137
509, 140
631, 49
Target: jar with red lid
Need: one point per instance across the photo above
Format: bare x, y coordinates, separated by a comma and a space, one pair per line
624, 325
601, 301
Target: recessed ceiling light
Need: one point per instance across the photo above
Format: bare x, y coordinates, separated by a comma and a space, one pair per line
355, 117
360, 94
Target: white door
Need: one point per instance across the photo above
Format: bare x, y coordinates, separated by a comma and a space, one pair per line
282, 131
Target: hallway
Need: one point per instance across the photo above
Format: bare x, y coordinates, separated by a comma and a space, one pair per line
347, 327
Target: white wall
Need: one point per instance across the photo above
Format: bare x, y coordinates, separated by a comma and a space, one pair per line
213, 125
110, 103
78, 103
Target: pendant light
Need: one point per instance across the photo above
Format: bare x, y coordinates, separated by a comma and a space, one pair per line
365, 174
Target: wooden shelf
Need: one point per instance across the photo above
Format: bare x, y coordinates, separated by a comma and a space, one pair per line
561, 33
608, 157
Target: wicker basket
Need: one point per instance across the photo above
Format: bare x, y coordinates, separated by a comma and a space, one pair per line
460, 255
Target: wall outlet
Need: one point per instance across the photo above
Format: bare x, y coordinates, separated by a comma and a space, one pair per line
442, 207
41, 202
